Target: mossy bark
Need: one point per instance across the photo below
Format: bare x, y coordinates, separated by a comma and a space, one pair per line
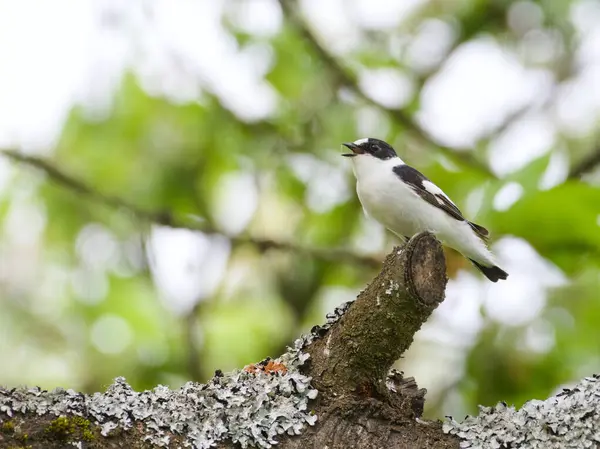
357, 352
31, 431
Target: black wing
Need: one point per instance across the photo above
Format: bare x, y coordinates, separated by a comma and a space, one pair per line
428, 191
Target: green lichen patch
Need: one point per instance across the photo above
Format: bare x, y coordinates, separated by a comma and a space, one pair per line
11, 432
7, 426
85, 428
60, 428
74, 428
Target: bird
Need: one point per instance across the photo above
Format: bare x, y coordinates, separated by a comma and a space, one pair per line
406, 202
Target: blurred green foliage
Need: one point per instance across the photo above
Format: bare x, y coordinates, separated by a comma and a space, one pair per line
159, 157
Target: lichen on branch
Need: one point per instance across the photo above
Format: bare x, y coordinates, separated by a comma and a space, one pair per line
247, 408
569, 420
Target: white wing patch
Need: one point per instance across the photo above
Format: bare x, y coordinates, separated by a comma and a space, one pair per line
361, 141
435, 190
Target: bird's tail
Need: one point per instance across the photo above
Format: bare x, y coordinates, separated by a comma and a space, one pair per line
494, 273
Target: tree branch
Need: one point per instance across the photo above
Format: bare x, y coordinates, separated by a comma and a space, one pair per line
379, 326
586, 165
191, 325
350, 81
166, 218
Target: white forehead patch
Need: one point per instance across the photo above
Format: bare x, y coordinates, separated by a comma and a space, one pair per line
361, 141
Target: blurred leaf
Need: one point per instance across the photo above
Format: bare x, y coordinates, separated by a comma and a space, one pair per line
243, 331
561, 223
503, 373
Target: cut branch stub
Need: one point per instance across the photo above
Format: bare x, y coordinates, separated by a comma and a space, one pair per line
357, 353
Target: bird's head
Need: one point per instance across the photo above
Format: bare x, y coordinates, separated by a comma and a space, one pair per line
370, 148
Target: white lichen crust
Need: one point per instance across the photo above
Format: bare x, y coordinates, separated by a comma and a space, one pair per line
320, 330
247, 407
570, 419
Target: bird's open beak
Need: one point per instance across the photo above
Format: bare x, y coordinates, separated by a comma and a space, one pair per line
356, 150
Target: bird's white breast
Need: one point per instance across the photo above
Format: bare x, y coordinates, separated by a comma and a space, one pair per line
385, 197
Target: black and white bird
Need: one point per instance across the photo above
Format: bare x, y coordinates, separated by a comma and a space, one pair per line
404, 201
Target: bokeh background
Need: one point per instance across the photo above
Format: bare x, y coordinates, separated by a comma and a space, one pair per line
172, 199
